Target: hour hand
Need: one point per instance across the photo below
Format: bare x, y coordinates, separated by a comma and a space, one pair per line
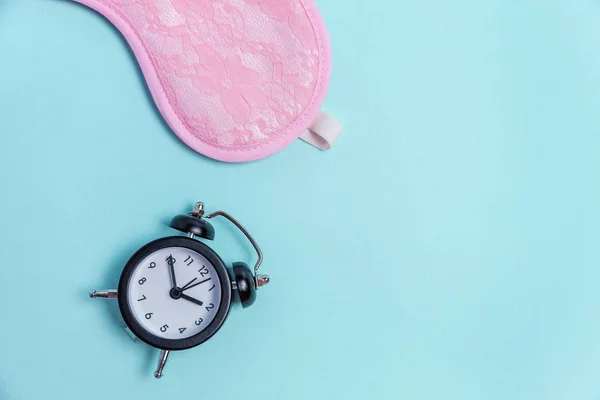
189, 298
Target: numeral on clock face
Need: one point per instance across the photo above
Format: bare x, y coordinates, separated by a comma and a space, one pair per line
189, 260
164, 328
181, 330
143, 297
203, 271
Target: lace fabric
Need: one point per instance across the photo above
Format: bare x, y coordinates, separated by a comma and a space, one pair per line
238, 73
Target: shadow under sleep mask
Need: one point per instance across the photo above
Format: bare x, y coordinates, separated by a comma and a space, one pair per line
236, 80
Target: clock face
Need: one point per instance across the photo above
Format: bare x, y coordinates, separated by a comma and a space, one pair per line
179, 313
176, 293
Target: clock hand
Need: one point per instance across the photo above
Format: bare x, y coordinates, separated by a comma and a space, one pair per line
193, 300
186, 285
195, 284
171, 262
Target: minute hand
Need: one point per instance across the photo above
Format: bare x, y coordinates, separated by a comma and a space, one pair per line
171, 262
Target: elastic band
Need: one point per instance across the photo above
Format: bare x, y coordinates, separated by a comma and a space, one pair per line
323, 131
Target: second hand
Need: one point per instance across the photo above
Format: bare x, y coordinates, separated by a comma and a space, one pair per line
188, 284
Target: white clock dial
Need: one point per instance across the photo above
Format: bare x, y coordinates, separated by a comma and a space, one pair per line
181, 313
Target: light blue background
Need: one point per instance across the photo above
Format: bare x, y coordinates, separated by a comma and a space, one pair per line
446, 248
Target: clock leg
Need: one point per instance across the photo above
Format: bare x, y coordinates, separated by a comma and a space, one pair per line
104, 294
162, 360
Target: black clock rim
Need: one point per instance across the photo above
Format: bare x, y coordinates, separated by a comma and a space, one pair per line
224, 306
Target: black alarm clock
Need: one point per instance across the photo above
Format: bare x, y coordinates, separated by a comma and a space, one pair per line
176, 292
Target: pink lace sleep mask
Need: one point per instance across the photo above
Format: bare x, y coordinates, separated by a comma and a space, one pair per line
236, 80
